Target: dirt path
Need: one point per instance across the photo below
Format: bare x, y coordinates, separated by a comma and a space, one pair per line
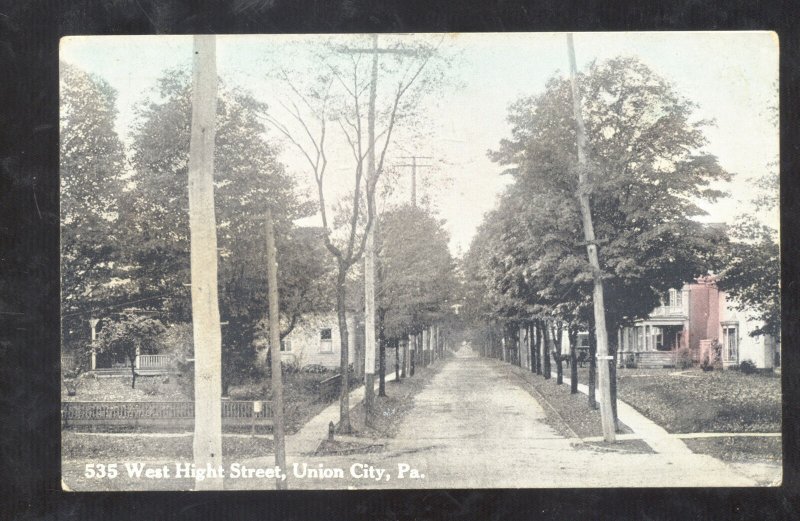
473, 426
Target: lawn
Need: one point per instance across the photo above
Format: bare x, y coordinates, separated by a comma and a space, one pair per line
698, 401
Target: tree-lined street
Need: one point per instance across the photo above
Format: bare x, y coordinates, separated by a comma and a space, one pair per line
241, 242
475, 425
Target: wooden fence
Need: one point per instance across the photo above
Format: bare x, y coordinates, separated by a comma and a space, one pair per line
160, 415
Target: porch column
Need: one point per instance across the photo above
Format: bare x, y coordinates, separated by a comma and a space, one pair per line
93, 324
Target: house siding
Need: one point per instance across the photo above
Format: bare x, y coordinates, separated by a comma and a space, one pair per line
705, 312
304, 341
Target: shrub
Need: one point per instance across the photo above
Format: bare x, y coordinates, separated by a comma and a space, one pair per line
246, 392
630, 361
747, 367
314, 368
150, 387
684, 356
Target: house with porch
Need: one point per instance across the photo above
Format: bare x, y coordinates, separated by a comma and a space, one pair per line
695, 316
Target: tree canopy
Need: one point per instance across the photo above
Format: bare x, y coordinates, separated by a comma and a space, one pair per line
647, 172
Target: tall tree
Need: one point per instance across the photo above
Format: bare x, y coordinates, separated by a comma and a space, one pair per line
92, 168
648, 171
248, 178
415, 281
338, 95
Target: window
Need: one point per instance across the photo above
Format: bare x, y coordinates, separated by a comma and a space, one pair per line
286, 345
730, 342
676, 298
325, 341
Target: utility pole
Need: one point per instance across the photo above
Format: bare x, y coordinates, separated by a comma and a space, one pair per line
369, 250
275, 346
606, 412
207, 446
414, 166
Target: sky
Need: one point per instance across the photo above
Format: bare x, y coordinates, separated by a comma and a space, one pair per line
731, 76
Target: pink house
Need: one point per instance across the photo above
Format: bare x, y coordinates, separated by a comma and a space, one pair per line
694, 316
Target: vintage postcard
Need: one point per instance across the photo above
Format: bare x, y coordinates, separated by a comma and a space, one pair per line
417, 261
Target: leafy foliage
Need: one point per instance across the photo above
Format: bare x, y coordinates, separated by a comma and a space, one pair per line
646, 170
92, 166
131, 334
248, 177
415, 270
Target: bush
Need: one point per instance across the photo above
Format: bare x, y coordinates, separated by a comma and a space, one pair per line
714, 355
684, 356
246, 392
314, 368
630, 361
747, 367
150, 387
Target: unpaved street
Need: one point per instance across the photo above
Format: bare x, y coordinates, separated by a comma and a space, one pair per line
475, 426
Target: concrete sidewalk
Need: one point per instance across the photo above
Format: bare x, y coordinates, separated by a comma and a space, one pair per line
645, 429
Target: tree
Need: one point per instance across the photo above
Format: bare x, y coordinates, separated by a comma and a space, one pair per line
648, 170
248, 178
415, 278
130, 335
338, 95
91, 170
751, 274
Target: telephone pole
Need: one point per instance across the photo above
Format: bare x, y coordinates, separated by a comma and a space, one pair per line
601, 334
414, 166
369, 250
207, 446
275, 346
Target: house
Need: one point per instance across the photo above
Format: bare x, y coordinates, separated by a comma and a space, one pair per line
315, 341
694, 317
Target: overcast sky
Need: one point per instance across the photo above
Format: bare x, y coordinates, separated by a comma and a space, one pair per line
731, 76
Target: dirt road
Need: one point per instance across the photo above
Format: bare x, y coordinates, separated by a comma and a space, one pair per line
475, 426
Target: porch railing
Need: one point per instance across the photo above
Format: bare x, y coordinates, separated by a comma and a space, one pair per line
153, 361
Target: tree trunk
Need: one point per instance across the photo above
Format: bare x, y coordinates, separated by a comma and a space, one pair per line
573, 358
532, 347
592, 367
381, 358
207, 446
557, 336
397, 361
412, 353
344, 361
275, 340
546, 351
133, 371
538, 346
612, 372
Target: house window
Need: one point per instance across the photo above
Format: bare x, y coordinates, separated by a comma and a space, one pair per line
286, 345
675, 298
730, 342
325, 341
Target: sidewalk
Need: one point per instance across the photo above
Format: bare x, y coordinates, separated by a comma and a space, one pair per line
647, 430
307, 439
